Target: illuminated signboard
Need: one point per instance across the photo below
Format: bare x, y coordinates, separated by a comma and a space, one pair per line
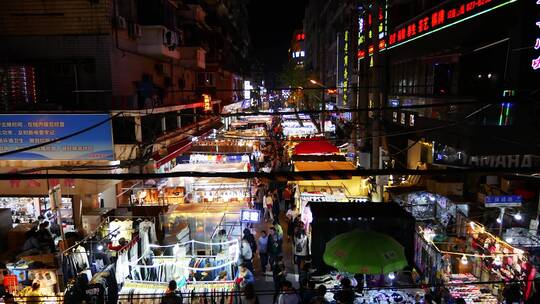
503, 201
345, 66
444, 16
250, 216
535, 64
366, 30
207, 102
24, 130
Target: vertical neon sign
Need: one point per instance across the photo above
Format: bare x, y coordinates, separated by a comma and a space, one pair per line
345, 66
535, 64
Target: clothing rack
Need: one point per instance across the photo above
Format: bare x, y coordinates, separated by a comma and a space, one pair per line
86, 238
129, 217
130, 244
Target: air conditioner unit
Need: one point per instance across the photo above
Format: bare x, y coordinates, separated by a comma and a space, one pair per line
137, 30
121, 22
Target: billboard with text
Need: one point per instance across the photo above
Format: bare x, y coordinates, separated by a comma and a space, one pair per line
25, 130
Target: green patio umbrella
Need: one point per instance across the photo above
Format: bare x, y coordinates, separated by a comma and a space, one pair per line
365, 252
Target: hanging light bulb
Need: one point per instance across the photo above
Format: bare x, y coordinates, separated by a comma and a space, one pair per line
391, 275
518, 216
497, 261
499, 220
464, 260
100, 247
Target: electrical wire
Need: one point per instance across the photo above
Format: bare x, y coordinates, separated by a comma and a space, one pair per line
377, 109
282, 175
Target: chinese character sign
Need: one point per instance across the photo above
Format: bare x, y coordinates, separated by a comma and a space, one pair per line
24, 130
207, 101
503, 201
447, 14
250, 216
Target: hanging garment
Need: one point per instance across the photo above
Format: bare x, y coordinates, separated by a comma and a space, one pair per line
120, 229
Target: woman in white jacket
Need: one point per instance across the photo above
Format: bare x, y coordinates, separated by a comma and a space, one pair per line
300, 247
246, 254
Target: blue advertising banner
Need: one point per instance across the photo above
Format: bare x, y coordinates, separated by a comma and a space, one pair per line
24, 130
503, 201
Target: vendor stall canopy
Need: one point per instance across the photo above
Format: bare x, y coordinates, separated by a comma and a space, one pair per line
302, 166
365, 252
315, 147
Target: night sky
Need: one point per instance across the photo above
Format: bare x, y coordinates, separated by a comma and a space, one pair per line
271, 24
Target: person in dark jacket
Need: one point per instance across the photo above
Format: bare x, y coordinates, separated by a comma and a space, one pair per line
171, 296
346, 294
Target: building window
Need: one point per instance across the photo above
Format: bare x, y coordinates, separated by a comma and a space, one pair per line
205, 79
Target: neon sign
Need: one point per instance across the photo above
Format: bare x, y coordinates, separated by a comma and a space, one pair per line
535, 64
207, 102
448, 15
345, 66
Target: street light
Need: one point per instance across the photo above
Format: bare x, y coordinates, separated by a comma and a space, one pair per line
315, 82
322, 116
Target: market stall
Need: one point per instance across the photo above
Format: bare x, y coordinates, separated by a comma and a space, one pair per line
181, 262
369, 295
224, 145
186, 190
478, 257
425, 206
27, 209
354, 189
124, 237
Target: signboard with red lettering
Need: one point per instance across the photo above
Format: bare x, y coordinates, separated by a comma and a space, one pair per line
448, 14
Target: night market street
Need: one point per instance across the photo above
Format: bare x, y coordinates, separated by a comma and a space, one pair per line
269, 152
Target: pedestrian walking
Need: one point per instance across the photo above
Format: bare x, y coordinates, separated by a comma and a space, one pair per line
274, 250
287, 196
320, 297
275, 207
246, 254
291, 215
307, 291
244, 276
279, 235
263, 250
268, 203
248, 295
300, 248
279, 275
346, 294
171, 296
288, 294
